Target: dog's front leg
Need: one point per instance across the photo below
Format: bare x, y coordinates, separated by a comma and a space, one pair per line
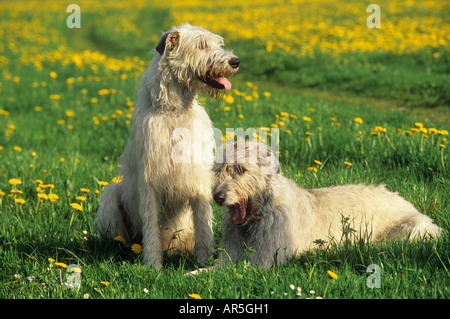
149, 209
203, 219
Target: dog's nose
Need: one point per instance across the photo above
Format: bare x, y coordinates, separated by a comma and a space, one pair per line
234, 62
219, 198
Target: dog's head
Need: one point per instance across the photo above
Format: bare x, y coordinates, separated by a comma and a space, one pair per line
244, 171
195, 58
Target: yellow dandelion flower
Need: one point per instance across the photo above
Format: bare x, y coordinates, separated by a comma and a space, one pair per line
55, 97
229, 99
85, 190
266, 94
19, 200
61, 264
358, 120
51, 260
313, 169
136, 248
332, 274
14, 181
42, 196
379, 129
227, 108
17, 148
105, 283
348, 163
103, 92
80, 198
318, 162
306, 119
70, 113
102, 183
53, 197
288, 131
119, 238
53, 75
76, 206
195, 296
418, 124
441, 145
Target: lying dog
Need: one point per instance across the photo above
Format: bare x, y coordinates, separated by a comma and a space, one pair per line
272, 215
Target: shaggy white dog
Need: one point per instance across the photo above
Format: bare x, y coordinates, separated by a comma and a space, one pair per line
164, 198
270, 215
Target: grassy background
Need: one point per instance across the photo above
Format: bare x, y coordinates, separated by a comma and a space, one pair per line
68, 131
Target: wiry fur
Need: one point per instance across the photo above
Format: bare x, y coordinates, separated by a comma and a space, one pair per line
285, 220
160, 200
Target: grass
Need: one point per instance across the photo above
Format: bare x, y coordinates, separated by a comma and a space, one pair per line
61, 133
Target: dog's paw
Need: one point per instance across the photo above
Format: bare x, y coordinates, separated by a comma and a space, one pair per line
196, 272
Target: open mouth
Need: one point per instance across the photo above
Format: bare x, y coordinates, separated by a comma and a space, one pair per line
219, 82
240, 211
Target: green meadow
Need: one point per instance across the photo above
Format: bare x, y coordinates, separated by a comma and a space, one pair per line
66, 102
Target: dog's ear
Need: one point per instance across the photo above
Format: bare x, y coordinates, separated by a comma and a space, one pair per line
162, 43
169, 40
268, 163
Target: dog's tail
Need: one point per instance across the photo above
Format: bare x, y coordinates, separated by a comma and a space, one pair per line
422, 227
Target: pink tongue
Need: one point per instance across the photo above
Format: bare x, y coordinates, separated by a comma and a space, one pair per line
239, 213
224, 82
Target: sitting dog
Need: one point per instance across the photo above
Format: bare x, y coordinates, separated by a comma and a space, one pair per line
164, 198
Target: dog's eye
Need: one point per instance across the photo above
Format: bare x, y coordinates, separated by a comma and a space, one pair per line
240, 170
